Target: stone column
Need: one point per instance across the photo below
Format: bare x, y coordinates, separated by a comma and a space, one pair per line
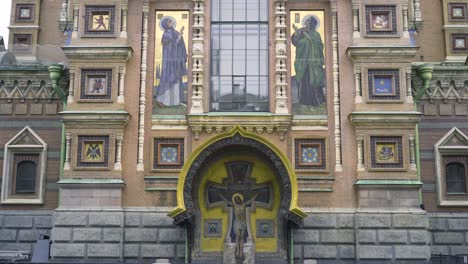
71, 86
281, 69
123, 30
409, 94
66, 165
118, 153
357, 79
356, 32
336, 88
412, 153
120, 97
143, 69
405, 21
360, 153
76, 11
417, 11
64, 11
197, 56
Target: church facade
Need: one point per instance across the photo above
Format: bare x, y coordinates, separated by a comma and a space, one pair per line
236, 131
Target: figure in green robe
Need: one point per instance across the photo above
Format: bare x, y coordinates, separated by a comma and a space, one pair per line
309, 61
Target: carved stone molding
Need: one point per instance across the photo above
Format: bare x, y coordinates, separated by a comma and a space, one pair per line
259, 123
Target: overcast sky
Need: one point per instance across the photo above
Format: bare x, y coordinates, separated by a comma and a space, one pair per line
5, 8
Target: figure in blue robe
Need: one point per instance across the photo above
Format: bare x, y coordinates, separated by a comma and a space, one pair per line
174, 59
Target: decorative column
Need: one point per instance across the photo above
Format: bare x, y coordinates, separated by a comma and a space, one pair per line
118, 153
356, 32
360, 153
405, 21
357, 79
409, 95
336, 88
76, 11
412, 153
197, 56
281, 69
66, 165
64, 11
120, 97
71, 87
144, 54
123, 30
417, 11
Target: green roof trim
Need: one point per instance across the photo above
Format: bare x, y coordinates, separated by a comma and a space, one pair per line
388, 182
239, 114
170, 117
310, 117
315, 178
90, 181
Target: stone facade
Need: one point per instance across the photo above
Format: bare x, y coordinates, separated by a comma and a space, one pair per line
115, 207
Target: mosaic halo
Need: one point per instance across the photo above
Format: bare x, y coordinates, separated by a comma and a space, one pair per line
174, 22
304, 20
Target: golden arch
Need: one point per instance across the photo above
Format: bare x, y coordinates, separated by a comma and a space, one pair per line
181, 214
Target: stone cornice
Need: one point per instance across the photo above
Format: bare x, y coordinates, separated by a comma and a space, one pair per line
93, 53
384, 118
386, 54
258, 122
95, 118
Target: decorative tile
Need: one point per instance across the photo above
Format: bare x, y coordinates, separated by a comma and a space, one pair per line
213, 227
381, 20
22, 42
265, 228
457, 11
384, 84
24, 12
460, 42
93, 151
168, 153
99, 20
96, 84
386, 152
310, 154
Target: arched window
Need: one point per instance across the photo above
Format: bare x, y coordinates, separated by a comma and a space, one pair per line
455, 177
26, 177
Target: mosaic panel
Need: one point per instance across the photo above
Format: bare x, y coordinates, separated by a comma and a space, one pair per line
96, 84
93, 151
24, 12
310, 154
265, 228
99, 20
213, 227
386, 152
384, 84
168, 153
381, 20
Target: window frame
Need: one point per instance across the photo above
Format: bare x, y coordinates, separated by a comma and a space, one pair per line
16, 146
264, 106
448, 160
445, 152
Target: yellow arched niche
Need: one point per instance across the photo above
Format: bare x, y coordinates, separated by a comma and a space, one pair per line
216, 173
293, 208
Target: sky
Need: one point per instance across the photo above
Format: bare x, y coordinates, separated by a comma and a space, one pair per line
5, 8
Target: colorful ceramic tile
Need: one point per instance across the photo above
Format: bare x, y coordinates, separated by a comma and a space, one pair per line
310, 154
383, 85
99, 20
24, 12
168, 153
265, 228
386, 152
459, 43
380, 21
213, 227
96, 84
93, 152
457, 11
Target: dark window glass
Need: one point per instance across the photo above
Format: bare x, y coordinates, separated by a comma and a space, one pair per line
239, 55
26, 177
455, 177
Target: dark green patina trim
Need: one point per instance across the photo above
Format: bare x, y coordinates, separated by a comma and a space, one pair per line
388, 182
